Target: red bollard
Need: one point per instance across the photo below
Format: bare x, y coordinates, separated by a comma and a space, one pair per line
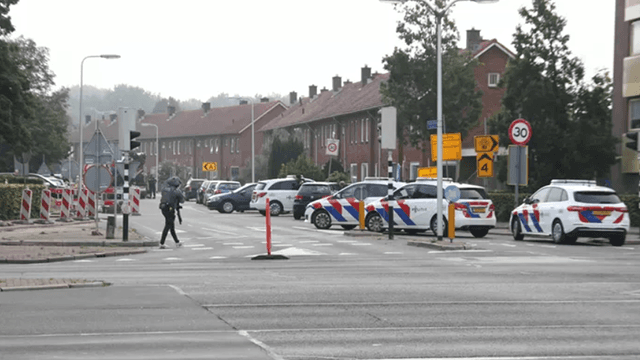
268, 215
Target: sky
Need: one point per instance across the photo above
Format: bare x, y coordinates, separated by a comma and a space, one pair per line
196, 49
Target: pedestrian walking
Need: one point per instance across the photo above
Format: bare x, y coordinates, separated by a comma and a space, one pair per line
170, 202
152, 187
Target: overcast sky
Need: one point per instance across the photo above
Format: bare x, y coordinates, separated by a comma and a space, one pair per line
201, 48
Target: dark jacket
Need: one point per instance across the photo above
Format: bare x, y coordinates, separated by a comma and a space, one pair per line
171, 194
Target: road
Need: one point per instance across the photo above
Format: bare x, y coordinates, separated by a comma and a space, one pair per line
337, 297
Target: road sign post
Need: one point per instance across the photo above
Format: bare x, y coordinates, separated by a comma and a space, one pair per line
520, 133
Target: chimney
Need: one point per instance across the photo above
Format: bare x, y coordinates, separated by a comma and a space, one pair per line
206, 107
264, 100
140, 114
337, 83
243, 102
473, 39
171, 110
365, 75
324, 89
113, 117
313, 91
293, 96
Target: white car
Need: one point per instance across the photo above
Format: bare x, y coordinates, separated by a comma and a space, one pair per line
280, 192
342, 208
416, 209
568, 209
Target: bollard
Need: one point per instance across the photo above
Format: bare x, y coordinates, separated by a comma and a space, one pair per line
361, 214
452, 222
65, 209
111, 227
135, 201
91, 204
25, 208
268, 217
45, 205
82, 204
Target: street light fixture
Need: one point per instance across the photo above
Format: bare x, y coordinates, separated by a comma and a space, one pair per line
104, 56
439, 15
156, 148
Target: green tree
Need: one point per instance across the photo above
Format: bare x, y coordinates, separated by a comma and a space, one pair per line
571, 120
282, 152
302, 166
412, 85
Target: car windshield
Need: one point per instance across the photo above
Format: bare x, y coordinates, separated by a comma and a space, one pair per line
260, 186
246, 187
314, 189
473, 193
596, 197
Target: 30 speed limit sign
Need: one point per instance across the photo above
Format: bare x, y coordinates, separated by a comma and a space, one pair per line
520, 132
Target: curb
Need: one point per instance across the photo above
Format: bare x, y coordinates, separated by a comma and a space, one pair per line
81, 243
439, 245
75, 257
55, 286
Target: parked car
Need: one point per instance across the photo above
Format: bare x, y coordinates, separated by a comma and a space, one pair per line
281, 193
220, 187
342, 208
200, 198
417, 205
236, 200
191, 188
309, 192
568, 209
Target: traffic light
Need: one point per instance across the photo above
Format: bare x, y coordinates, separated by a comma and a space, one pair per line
632, 140
133, 144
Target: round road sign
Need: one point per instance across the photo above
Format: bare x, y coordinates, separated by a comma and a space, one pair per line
452, 193
333, 147
97, 178
520, 132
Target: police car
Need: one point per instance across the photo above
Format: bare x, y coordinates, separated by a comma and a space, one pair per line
342, 208
416, 209
280, 192
568, 209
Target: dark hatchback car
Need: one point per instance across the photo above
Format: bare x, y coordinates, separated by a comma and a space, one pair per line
236, 200
309, 192
191, 188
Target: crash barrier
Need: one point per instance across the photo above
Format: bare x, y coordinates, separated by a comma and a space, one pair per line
65, 209
135, 200
268, 217
91, 203
82, 204
25, 208
45, 204
56, 200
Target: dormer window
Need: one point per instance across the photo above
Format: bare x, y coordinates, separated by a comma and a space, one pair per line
494, 79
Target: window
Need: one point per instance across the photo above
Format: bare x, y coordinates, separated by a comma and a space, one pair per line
173, 147
198, 143
217, 145
494, 79
235, 172
354, 172
540, 196
364, 170
178, 147
233, 145
634, 114
361, 130
634, 47
226, 142
238, 145
555, 195
368, 128
413, 170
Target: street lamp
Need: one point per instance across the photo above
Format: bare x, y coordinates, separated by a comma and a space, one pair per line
156, 152
104, 56
439, 15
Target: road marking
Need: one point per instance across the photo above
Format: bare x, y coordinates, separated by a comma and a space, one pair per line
393, 253
221, 231
202, 248
294, 251
84, 261
301, 228
308, 241
347, 241
234, 243
218, 257
262, 345
244, 247
261, 229
126, 259
322, 244
360, 244
346, 254
281, 245
172, 259
192, 245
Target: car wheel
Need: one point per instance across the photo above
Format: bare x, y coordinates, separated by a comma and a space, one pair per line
227, 207
348, 227
297, 216
374, 222
516, 230
434, 226
322, 220
617, 240
275, 208
479, 233
557, 232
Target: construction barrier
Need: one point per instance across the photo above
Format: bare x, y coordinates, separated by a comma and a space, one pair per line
91, 204
45, 204
25, 209
65, 209
135, 201
82, 204
56, 200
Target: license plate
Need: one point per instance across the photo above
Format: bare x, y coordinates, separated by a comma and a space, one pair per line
479, 210
602, 212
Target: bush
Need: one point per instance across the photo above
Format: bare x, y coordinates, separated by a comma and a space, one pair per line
11, 199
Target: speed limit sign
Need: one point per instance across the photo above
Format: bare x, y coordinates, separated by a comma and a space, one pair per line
520, 132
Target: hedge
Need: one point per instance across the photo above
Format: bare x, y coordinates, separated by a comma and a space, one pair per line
504, 204
11, 199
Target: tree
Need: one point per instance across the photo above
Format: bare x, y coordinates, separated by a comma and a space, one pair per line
412, 85
571, 120
282, 152
302, 166
161, 106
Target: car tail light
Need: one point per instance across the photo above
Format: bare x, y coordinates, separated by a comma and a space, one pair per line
577, 208
259, 195
298, 197
217, 192
459, 206
492, 207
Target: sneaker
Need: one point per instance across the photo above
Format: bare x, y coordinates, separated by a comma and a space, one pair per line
178, 244
163, 246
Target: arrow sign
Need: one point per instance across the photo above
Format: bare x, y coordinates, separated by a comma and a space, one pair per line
484, 163
486, 143
209, 166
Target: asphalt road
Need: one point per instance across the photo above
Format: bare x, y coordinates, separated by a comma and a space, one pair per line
337, 297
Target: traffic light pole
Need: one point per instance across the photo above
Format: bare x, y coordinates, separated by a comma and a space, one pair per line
125, 200
390, 201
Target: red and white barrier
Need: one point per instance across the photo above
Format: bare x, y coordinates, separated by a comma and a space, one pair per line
45, 205
25, 208
82, 204
135, 201
91, 204
65, 209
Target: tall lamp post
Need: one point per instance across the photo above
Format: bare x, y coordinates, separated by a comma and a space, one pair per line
439, 15
156, 148
104, 56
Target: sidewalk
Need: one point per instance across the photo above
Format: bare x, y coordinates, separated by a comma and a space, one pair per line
61, 241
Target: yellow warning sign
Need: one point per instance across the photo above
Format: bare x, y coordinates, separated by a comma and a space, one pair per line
209, 166
428, 172
484, 161
451, 147
486, 143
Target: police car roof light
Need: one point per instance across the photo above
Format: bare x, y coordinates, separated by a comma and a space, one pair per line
432, 179
574, 181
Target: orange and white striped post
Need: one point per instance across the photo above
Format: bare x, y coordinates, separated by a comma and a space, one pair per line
25, 208
45, 205
135, 201
268, 217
